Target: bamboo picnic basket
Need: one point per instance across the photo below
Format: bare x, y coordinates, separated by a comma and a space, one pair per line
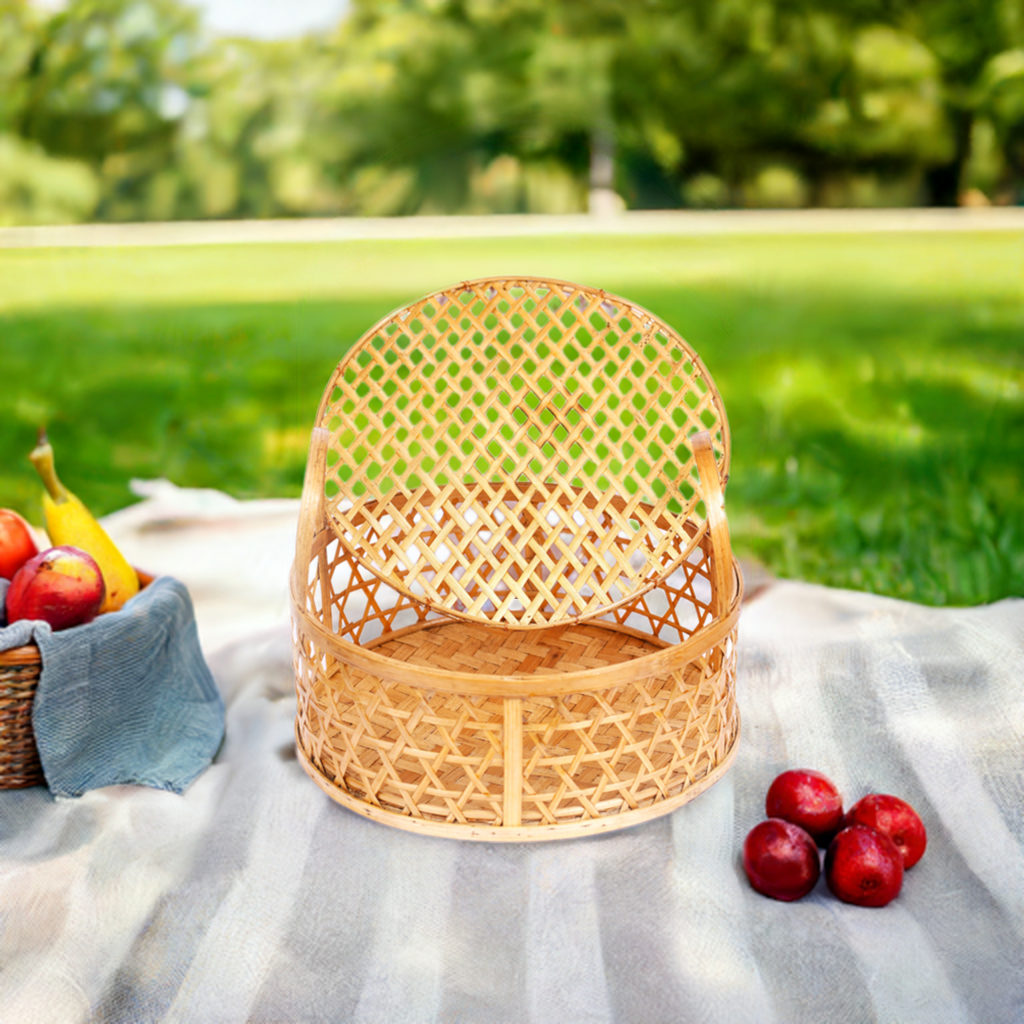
514, 599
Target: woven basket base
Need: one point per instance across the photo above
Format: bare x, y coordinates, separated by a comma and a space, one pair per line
525, 833
468, 647
351, 734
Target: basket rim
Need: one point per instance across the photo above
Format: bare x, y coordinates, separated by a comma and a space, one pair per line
366, 659
649, 320
27, 654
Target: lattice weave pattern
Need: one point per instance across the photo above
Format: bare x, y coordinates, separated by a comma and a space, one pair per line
519, 451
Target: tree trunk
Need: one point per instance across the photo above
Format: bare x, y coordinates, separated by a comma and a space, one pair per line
944, 182
603, 200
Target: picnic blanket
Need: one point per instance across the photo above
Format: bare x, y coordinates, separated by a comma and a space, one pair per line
253, 897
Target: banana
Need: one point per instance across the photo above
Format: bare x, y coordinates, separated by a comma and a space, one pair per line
68, 521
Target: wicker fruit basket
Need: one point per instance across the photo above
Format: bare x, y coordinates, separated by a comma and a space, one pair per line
20, 668
514, 598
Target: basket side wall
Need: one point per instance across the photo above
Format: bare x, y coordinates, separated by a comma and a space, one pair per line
508, 763
19, 756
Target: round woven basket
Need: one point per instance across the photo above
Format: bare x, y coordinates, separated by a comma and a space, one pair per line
593, 685
473, 732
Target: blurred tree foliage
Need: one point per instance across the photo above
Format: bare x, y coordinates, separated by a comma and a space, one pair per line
126, 109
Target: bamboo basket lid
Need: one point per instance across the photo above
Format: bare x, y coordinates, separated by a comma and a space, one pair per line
518, 451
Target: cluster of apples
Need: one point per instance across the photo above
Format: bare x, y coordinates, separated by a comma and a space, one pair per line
867, 849
61, 585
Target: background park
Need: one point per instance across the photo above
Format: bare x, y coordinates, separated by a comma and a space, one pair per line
874, 379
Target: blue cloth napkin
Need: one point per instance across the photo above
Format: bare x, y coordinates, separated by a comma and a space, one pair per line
127, 698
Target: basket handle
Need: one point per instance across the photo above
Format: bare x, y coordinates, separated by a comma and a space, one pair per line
714, 500
311, 511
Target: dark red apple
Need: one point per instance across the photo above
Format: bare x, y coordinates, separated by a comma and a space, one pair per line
62, 586
896, 819
17, 545
808, 799
863, 867
781, 860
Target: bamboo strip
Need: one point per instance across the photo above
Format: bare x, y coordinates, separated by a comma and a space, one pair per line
705, 456
513, 780
311, 510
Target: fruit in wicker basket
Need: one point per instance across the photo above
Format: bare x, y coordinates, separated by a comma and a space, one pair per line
894, 818
69, 522
62, 586
808, 799
17, 545
864, 867
781, 860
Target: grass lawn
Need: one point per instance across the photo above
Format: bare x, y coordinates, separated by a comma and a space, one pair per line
874, 383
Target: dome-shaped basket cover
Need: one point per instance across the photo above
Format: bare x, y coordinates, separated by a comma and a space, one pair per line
517, 451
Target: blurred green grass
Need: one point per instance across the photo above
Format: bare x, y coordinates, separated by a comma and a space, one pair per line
874, 383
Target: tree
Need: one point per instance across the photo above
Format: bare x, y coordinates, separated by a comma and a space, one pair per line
429, 92
479, 105
966, 37
19, 26
108, 83
1001, 100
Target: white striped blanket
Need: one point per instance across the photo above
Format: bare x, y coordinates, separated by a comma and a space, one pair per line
255, 898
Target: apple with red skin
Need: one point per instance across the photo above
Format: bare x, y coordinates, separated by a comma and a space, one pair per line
863, 867
894, 818
17, 545
808, 799
781, 860
62, 586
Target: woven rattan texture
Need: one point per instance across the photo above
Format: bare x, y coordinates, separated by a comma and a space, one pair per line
19, 757
468, 647
480, 759
518, 450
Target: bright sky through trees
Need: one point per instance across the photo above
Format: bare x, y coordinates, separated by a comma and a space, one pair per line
269, 19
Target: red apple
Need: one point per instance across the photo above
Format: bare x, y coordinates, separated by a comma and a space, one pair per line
896, 819
863, 867
62, 586
808, 799
781, 860
17, 545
